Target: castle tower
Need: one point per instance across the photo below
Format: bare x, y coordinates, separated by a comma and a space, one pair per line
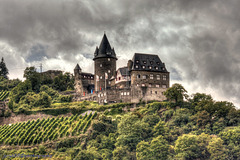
104, 64
78, 80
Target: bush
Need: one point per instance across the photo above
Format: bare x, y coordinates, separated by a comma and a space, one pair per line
63, 98
66, 143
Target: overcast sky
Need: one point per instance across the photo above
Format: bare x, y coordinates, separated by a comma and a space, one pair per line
199, 40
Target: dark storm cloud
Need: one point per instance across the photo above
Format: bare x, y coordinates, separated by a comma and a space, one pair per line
197, 39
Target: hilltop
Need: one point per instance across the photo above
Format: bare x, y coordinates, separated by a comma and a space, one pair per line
184, 127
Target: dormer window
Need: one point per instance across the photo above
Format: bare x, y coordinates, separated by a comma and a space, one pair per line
149, 67
151, 62
136, 66
143, 67
163, 68
109, 53
156, 68
144, 62
137, 61
158, 63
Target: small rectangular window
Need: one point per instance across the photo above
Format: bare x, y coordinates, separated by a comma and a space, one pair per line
158, 77
143, 85
144, 77
151, 76
150, 85
164, 77
157, 85
100, 65
155, 92
164, 86
108, 59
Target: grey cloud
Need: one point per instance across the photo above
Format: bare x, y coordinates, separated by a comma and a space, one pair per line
198, 40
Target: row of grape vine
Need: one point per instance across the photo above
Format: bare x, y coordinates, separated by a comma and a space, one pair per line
40, 131
3, 95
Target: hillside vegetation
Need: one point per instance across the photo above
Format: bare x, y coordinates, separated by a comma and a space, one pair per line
183, 128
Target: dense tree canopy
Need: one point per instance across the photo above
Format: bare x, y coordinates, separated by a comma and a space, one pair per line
3, 69
177, 93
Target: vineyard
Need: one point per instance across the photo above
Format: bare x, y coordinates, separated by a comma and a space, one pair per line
40, 131
3, 95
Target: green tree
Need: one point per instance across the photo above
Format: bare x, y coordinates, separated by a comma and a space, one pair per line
199, 97
63, 82
217, 149
121, 153
176, 93
160, 129
157, 149
131, 131
3, 69
20, 90
31, 74
190, 147
202, 118
44, 100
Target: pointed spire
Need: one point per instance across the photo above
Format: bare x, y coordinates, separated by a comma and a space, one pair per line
105, 49
105, 46
96, 51
77, 67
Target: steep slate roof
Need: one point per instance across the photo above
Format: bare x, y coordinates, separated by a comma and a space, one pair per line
147, 62
124, 71
104, 50
77, 67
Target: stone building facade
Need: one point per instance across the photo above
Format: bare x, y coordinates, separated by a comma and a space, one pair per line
84, 82
145, 78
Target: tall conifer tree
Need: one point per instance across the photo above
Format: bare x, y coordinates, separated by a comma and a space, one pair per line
3, 69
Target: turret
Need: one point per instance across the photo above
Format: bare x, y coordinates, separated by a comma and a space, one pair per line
105, 64
77, 70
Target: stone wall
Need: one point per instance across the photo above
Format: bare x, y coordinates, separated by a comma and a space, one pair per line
147, 94
102, 66
138, 79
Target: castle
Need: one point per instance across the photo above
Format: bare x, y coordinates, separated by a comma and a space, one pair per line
145, 78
